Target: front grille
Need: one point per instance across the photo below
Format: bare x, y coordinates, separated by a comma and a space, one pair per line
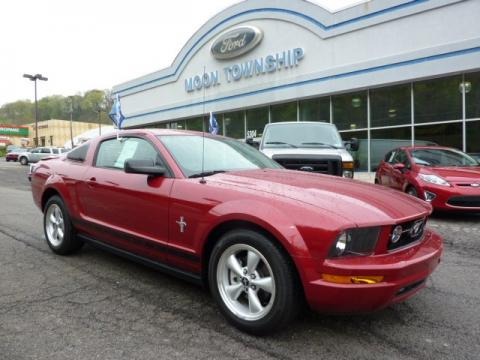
331, 165
408, 234
464, 201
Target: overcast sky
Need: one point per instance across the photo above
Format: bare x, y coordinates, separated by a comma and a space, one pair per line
96, 44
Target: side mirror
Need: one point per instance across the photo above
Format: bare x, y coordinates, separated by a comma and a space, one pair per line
146, 167
399, 166
352, 144
253, 143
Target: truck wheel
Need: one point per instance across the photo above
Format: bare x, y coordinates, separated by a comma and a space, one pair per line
58, 228
23, 160
253, 282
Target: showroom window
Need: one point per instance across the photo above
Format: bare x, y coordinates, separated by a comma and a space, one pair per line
317, 109
442, 134
384, 140
350, 111
438, 99
390, 106
195, 124
473, 137
256, 121
472, 95
234, 124
284, 112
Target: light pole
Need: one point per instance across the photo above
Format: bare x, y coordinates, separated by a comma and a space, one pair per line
34, 78
99, 110
71, 119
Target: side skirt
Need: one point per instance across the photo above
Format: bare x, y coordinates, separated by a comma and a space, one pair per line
184, 275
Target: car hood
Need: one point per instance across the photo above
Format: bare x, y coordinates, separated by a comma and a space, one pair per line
355, 201
455, 174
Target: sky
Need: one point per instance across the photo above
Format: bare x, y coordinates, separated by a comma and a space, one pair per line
96, 44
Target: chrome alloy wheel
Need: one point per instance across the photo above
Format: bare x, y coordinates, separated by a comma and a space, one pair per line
54, 225
245, 282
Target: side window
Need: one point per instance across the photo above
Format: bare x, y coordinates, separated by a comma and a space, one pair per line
401, 157
79, 153
113, 153
390, 156
45, 151
55, 151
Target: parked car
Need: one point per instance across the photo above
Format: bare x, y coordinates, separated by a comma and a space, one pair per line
39, 153
476, 156
15, 153
216, 211
308, 146
445, 177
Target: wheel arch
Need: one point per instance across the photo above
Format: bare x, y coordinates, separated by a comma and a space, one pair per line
47, 194
220, 229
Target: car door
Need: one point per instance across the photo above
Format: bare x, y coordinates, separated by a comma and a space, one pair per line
398, 175
129, 211
385, 171
34, 155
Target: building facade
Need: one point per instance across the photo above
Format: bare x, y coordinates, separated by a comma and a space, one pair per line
56, 132
388, 72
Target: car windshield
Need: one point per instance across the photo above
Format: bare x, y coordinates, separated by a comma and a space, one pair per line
302, 135
442, 157
219, 154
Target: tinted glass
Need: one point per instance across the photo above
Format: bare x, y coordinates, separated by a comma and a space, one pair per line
79, 153
440, 134
113, 153
442, 157
216, 154
438, 99
350, 110
390, 106
284, 112
311, 135
472, 95
234, 124
256, 121
317, 109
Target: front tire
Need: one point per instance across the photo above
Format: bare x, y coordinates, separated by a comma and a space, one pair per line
253, 282
412, 191
59, 232
23, 160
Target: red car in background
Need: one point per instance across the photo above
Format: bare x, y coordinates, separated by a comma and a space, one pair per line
218, 212
445, 177
15, 153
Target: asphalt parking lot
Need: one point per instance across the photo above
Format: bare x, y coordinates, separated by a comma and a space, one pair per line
94, 305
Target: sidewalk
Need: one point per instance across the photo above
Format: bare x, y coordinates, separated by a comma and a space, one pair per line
365, 176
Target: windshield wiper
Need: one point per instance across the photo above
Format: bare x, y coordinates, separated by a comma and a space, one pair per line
320, 143
206, 173
280, 143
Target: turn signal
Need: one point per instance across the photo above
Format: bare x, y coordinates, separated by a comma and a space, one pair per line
346, 279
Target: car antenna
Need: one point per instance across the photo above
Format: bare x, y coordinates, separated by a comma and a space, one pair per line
202, 179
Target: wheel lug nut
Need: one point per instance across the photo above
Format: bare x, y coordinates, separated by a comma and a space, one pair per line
252, 276
253, 287
245, 271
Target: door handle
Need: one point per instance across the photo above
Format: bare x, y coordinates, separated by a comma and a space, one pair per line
92, 182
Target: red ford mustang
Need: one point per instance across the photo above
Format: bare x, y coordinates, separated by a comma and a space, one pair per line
447, 178
216, 211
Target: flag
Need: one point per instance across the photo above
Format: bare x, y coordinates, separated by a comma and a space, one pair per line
116, 113
213, 124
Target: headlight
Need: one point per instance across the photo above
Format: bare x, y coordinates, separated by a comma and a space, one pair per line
434, 179
360, 241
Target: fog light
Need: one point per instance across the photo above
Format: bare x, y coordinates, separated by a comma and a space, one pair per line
429, 196
396, 234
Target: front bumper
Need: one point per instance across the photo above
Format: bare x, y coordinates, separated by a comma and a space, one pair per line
404, 274
454, 198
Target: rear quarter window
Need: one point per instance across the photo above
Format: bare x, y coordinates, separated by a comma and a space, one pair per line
78, 154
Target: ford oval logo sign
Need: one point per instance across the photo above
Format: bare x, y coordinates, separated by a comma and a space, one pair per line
236, 42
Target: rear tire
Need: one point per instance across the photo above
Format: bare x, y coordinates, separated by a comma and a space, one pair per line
23, 160
59, 232
253, 282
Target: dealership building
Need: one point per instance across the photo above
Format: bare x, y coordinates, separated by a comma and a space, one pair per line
388, 72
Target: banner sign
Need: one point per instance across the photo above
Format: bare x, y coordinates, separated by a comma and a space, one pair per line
10, 130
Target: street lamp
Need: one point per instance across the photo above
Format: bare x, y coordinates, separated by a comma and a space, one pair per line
34, 78
71, 119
